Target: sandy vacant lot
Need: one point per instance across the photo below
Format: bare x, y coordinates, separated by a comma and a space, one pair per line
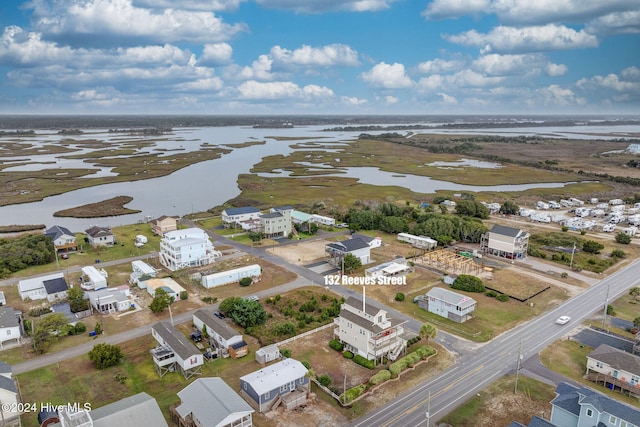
301, 253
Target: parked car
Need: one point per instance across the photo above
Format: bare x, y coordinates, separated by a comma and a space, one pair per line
218, 315
64, 256
563, 320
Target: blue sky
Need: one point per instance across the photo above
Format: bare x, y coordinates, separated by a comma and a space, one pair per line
320, 57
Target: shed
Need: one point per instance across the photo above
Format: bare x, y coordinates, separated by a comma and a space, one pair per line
267, 354
231, 276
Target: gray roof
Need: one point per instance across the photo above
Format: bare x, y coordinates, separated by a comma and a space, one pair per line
98, 231
357, 303
133, 411
360, 321
5, 368
349, 245
273, 376
362, 237
8, 317
211, 401
176, 340
451, 297
240, 211
571, 398
617, 359
53, 286
272, 215
8, 384
57, 231
215, 324
536, 421
505, 231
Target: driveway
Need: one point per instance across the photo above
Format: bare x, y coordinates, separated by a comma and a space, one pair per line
593, 338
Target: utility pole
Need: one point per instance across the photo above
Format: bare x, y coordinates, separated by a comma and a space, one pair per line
344, 394
428, 414
572, 252
606, 305
515, 388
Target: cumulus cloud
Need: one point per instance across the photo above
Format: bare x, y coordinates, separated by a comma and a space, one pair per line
320, 6
526, 39
103, 20
448, 99
199, 85
21, 48
215, 5
325, 56
517, 65
388, 76
627, 22
555, 95
440, 9
281, 90
352, 100
216, 54
440, 66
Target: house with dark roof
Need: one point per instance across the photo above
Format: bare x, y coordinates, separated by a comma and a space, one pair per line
536, 421
100, 236
235, 217
63, 239
210, 402
276, 223
164, 224
9, 325
9, 397
373, 242
174, 352
134, 411
52, 287
285, 383
56, 288
220, 334
448, 304
368, 331
505, 242
356, 247
614, 368
584, 407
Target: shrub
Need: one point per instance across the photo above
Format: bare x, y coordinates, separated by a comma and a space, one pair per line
246, 281
210, 300
353, 393
105, 355
503, 297
306, 364
336, 345
324, 380
466, 282
184, 295
39, 311
80, 328
285, 352
347, 355
362, 361
623, 238
491, 294
399, 296
380, 377
618, 253
285, 328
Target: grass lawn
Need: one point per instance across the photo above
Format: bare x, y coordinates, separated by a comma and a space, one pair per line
569, 358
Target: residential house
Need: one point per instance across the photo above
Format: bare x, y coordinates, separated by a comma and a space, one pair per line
285, 382
276, 223
93, 279
186, 248
536, 421
226, 277
322, 220
167, 284
134, 411
56, 288
164, 224
614, 368
505, 242
420, 242
368, 331
373, 242
51, 287
140, 270
584, 407
9, 413
100, 236
221, 335
63, 239
174, 352
210, 402
448, 304
356, 247
10, 329
109, 300
236, 217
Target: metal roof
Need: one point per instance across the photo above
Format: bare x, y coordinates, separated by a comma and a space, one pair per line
211, 401
505, 231
219, 326
241, 211
8, 318
176, 340
273, 376
451, 297
134, 411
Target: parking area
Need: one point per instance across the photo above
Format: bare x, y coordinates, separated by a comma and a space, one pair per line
593, 338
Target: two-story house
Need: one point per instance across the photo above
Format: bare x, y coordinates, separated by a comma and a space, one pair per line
174, 352
63, 239
9, 326
164, 224
449, 304
9, 397
356, 247
186, 248
276, 224
614, 368
368, 331
220, 334
505, 242
243, 217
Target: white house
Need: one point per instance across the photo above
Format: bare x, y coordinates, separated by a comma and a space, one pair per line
373, 242
140, 269
506, 242
448, 304
420, 242
100, 236
614, 368
221, 335
368, 331
174, 352
94, 279
167, 284
3, 300
63, 239
356, 247
51, 287
276, 223
186, 248
9, 326
9, 412
231, 276
323, 220
284, 382
109, 300
210, 402
234, 217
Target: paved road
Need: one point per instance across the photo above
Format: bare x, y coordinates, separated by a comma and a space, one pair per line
473, 372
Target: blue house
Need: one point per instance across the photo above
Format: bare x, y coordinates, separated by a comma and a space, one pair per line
285, 383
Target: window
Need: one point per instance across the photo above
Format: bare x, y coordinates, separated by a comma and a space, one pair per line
625, 424
301, 380
589, 413
8, 331
244, 386
267, 395
599, 365
613, 420
283, 388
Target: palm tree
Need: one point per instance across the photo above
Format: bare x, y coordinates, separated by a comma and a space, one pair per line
428, 331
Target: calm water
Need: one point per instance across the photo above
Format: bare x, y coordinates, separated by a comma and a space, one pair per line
211, 183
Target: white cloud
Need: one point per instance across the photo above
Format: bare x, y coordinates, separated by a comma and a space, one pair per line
555, 70
208, 84
320, 6
631, 73
217, 53
103, 20
148, 55
556, 95
517, 65
388, 76
260, 69
526, 39
21, 48
448, 99
439, 9
627, 22
215, 5
326, 56
281, 90
440, 66
431, 83
352, 100
389, 100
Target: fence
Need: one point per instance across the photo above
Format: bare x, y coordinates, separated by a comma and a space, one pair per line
304, 334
